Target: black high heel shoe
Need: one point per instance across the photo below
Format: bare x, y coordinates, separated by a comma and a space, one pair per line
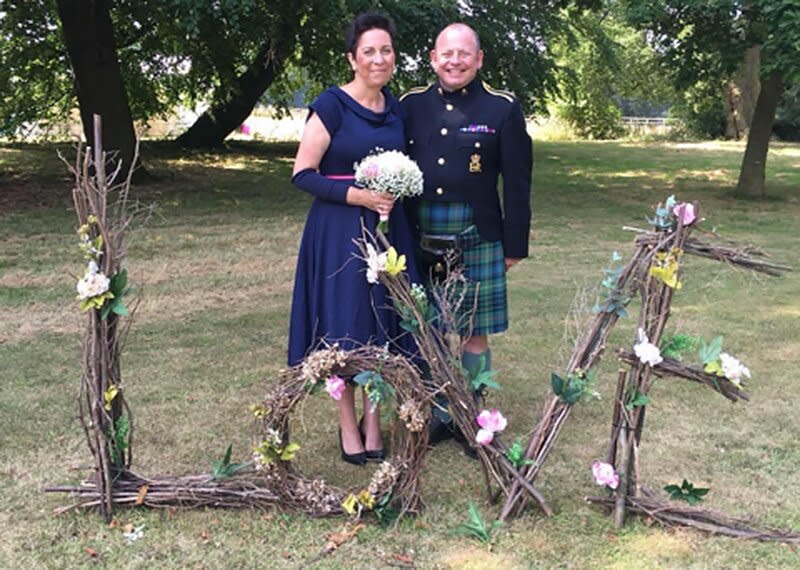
374, 454
353, 458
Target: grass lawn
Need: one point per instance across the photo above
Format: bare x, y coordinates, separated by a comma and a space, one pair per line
215, 269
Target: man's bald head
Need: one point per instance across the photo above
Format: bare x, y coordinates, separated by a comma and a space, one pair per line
457, 56
459, 27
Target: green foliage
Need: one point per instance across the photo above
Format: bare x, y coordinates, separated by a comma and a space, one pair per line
637, 400
577, 385
408, 318
700, 109
476, 527
185, 52
481, 377
675, 345
686, 492
377, 389
516, 455
118, 285
223, 468
709, 353
385, 512
701, 44
119, 438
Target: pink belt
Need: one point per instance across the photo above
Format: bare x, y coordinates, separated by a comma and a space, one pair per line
340, 176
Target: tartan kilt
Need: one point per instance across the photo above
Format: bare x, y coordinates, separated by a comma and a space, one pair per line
484, 264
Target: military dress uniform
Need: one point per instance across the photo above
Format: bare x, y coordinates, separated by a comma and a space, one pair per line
464, 141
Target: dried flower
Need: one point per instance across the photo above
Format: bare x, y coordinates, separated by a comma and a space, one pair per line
322, 363
383, 479
604, 474
412, 415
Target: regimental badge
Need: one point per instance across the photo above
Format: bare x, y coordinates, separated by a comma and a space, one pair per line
475, 163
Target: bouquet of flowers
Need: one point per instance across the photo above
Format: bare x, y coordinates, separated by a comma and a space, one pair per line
392, 172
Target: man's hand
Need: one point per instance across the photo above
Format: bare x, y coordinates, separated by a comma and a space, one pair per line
511, 262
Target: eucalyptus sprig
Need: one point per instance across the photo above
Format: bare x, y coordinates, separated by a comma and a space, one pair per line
615, 301
377, 389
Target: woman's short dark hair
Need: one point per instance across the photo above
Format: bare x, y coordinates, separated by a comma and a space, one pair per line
364, 23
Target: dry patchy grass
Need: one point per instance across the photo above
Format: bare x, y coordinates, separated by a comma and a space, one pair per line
215, 269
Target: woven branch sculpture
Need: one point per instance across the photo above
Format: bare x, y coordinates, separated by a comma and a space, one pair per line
271, 478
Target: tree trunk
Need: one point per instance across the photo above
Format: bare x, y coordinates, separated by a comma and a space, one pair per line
89, 38
741, 94
211, 128
753, 171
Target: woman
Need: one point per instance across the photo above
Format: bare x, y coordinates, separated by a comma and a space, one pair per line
332, 300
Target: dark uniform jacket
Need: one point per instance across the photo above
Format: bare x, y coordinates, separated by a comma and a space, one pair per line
463, 141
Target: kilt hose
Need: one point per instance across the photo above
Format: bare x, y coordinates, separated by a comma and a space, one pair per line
484, 267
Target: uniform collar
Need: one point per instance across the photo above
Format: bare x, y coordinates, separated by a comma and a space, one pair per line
463, 94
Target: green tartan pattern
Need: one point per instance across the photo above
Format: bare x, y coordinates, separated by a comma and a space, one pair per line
484, 264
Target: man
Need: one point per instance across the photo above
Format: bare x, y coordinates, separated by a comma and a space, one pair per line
464, 135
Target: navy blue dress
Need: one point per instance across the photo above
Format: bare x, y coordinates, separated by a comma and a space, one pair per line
332, 299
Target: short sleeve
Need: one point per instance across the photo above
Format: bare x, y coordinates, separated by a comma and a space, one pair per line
329, 111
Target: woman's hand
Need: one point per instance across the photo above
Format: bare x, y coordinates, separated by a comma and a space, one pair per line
381, 202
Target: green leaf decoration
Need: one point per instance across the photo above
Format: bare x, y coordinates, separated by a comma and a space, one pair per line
711, 351
676, 345
221, 469
686, 492
516, 455
481, 377
385, 512
119, 308
637, 401
119, 438
577, 385
476, 527
557, 384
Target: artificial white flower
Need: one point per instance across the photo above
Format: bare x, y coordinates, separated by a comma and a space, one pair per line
92, 285
647, 352
376, 262
733, 369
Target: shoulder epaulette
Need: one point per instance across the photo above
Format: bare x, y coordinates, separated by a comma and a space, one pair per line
415, 91
507, 95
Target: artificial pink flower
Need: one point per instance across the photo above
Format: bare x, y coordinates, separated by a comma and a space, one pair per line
604, 474
492, 420
484, 436
685, 213
335, 387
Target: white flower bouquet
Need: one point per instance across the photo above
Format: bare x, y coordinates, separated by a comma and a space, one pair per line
392, 172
